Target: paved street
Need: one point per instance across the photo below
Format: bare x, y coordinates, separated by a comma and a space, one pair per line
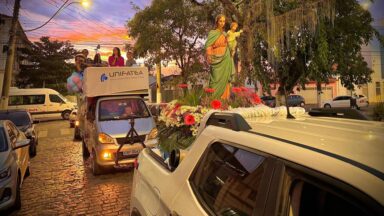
62, 184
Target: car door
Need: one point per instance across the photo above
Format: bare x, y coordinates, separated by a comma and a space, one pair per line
22, 153
301, 191
346, 101
337, 101
56, 103
228, 180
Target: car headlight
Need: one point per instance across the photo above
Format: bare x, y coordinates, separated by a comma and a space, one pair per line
5, 173
105, 139
77, 123
153, 134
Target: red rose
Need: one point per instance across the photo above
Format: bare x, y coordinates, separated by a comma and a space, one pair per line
236, 89
216, 104
189, 119
183, 85
209, 90
255, 98
244, 89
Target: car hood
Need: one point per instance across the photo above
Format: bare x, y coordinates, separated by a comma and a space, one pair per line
5, 159
120, 128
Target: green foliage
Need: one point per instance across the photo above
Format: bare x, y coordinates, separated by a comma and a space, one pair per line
192, 97
47, 63
171, 138
171, 29
378, 112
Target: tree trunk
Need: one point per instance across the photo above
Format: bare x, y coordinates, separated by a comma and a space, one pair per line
319, 92
289, 115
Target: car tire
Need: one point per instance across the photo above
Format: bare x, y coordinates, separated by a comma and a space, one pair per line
96, 168
302, 104
33, 149
84, 150
27, 172
65, 114
17, 204
328, 106
77, 135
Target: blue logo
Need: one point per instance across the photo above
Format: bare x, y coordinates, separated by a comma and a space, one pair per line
103, 77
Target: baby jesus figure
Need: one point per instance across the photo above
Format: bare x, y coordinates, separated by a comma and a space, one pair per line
231, 38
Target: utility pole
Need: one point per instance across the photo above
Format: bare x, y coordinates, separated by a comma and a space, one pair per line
158, 84
10, 57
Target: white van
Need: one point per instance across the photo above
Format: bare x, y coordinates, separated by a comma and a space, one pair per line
40, 102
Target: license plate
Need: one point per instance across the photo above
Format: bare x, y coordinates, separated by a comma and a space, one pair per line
126, 153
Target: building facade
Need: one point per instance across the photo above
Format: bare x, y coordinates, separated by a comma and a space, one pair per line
21, 42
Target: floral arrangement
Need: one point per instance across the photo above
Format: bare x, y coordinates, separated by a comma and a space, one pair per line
180, 120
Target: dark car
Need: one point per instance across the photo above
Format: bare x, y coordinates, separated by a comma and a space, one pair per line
296, 100
269, 100
23, 121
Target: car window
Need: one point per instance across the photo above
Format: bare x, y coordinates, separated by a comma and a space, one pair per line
33, 99
228, 179
18, 118
312, 194
336, 98
55, 99
3, 141
116, 109
15, 100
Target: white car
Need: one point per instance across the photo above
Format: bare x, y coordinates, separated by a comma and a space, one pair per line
14, 164
270, 167
345, 101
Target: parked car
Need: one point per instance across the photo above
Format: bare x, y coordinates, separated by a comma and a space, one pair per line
296, 100
40, 102
364, 100
346, 101
72, 118
269, 100
14, 164
269, 167
24, 122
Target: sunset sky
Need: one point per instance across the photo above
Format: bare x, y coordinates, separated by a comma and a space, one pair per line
103, 22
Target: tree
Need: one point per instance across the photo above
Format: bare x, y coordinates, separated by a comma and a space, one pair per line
46, 63
171, 30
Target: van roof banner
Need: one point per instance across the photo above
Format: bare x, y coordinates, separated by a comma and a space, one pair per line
100, 81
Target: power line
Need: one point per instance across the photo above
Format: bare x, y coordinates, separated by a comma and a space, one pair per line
86, 18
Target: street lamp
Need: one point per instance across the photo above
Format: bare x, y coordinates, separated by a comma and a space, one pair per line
84, 3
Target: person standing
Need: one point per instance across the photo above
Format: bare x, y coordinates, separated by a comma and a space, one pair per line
116, 60
130, 61
97, 62
88, 61
219, 57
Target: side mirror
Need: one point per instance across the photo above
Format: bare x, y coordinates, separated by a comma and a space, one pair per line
36, 121
22, 143
175, 158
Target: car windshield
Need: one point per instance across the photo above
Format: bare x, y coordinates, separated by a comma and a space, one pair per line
122, 109
3, 143
18, 118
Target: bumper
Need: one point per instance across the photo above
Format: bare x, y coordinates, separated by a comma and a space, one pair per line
106, 153
7, 193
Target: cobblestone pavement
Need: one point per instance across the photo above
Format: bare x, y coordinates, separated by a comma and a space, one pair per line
61, 183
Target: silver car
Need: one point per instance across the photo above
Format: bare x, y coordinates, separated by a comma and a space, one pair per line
14, 164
